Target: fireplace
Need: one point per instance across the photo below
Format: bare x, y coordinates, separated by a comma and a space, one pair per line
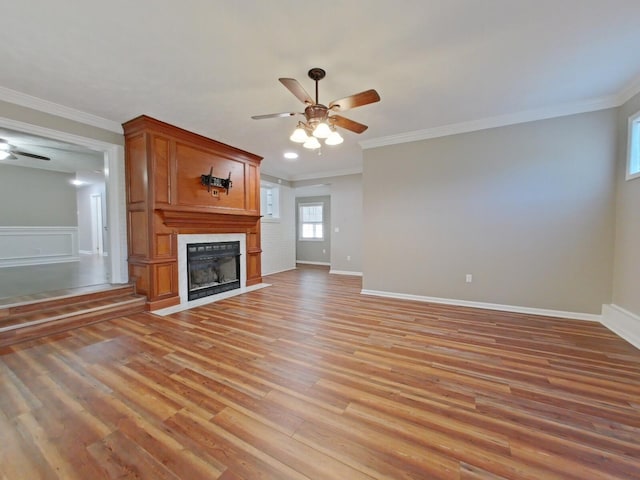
212, 268
202, 297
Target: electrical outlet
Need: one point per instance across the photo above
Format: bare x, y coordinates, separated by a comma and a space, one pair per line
214, 192
348, 258
469, 278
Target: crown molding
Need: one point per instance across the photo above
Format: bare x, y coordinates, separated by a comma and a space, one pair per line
497, 121
35, 103
632, 89
334, 173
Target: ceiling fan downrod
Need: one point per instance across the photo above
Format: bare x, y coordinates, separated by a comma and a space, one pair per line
316, 74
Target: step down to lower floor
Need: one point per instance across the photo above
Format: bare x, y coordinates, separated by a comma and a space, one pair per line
24, 321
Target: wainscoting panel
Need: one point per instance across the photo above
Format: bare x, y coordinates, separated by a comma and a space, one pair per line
21, 246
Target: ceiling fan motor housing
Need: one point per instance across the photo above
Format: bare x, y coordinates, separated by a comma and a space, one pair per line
316, 113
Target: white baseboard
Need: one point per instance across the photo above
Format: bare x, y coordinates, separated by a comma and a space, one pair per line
91, 252
345, 272
325, 264
489, 306
622, 322
278, 271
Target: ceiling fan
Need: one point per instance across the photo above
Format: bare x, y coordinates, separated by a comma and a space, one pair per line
320, 119
11, 152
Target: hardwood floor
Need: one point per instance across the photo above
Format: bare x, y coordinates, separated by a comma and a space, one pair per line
308, 379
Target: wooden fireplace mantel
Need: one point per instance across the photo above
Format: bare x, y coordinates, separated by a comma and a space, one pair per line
166, 198
187, 218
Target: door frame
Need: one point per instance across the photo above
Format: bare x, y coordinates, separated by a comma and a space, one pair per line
116, 221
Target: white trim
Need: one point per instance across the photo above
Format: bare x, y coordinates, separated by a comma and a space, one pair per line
210, 299
85, 252
184, 239
633, 146
631, 90
345, 272
278, 271
622, 322
325, 264
488, 306
36, 245
116, 214
333, 173
19, 98
114, 182
493, 122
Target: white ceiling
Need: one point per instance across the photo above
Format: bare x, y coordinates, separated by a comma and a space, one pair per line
209, 65
88, 165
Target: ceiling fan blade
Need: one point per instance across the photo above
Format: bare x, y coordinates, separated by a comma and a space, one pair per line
30, 155
274, 115
355, 100
294, 87
346, 123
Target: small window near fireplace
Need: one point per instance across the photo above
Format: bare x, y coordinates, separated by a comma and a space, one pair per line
212, 268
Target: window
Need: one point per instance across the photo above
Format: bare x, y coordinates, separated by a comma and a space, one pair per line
310, 217
633, 151
269, 201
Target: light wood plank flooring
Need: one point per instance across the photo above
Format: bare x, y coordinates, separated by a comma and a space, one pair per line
308, 379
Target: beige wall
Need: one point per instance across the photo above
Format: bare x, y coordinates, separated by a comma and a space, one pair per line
527, 209
626, 283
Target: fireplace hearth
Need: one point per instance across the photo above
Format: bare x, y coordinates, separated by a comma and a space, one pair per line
212, 268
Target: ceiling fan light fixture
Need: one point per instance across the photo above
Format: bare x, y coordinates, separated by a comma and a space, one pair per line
4, 154
334, 138
312, 143
322, 130
299, 135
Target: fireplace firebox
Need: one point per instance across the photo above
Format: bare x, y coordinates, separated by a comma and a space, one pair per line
212, 268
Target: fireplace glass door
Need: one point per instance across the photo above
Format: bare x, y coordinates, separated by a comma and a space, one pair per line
212, 268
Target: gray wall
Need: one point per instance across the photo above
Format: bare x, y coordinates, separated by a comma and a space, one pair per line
527, 209
316, 251
32, 197
626, 291
346, 215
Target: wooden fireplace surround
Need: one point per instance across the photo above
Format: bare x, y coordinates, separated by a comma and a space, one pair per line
166, 198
